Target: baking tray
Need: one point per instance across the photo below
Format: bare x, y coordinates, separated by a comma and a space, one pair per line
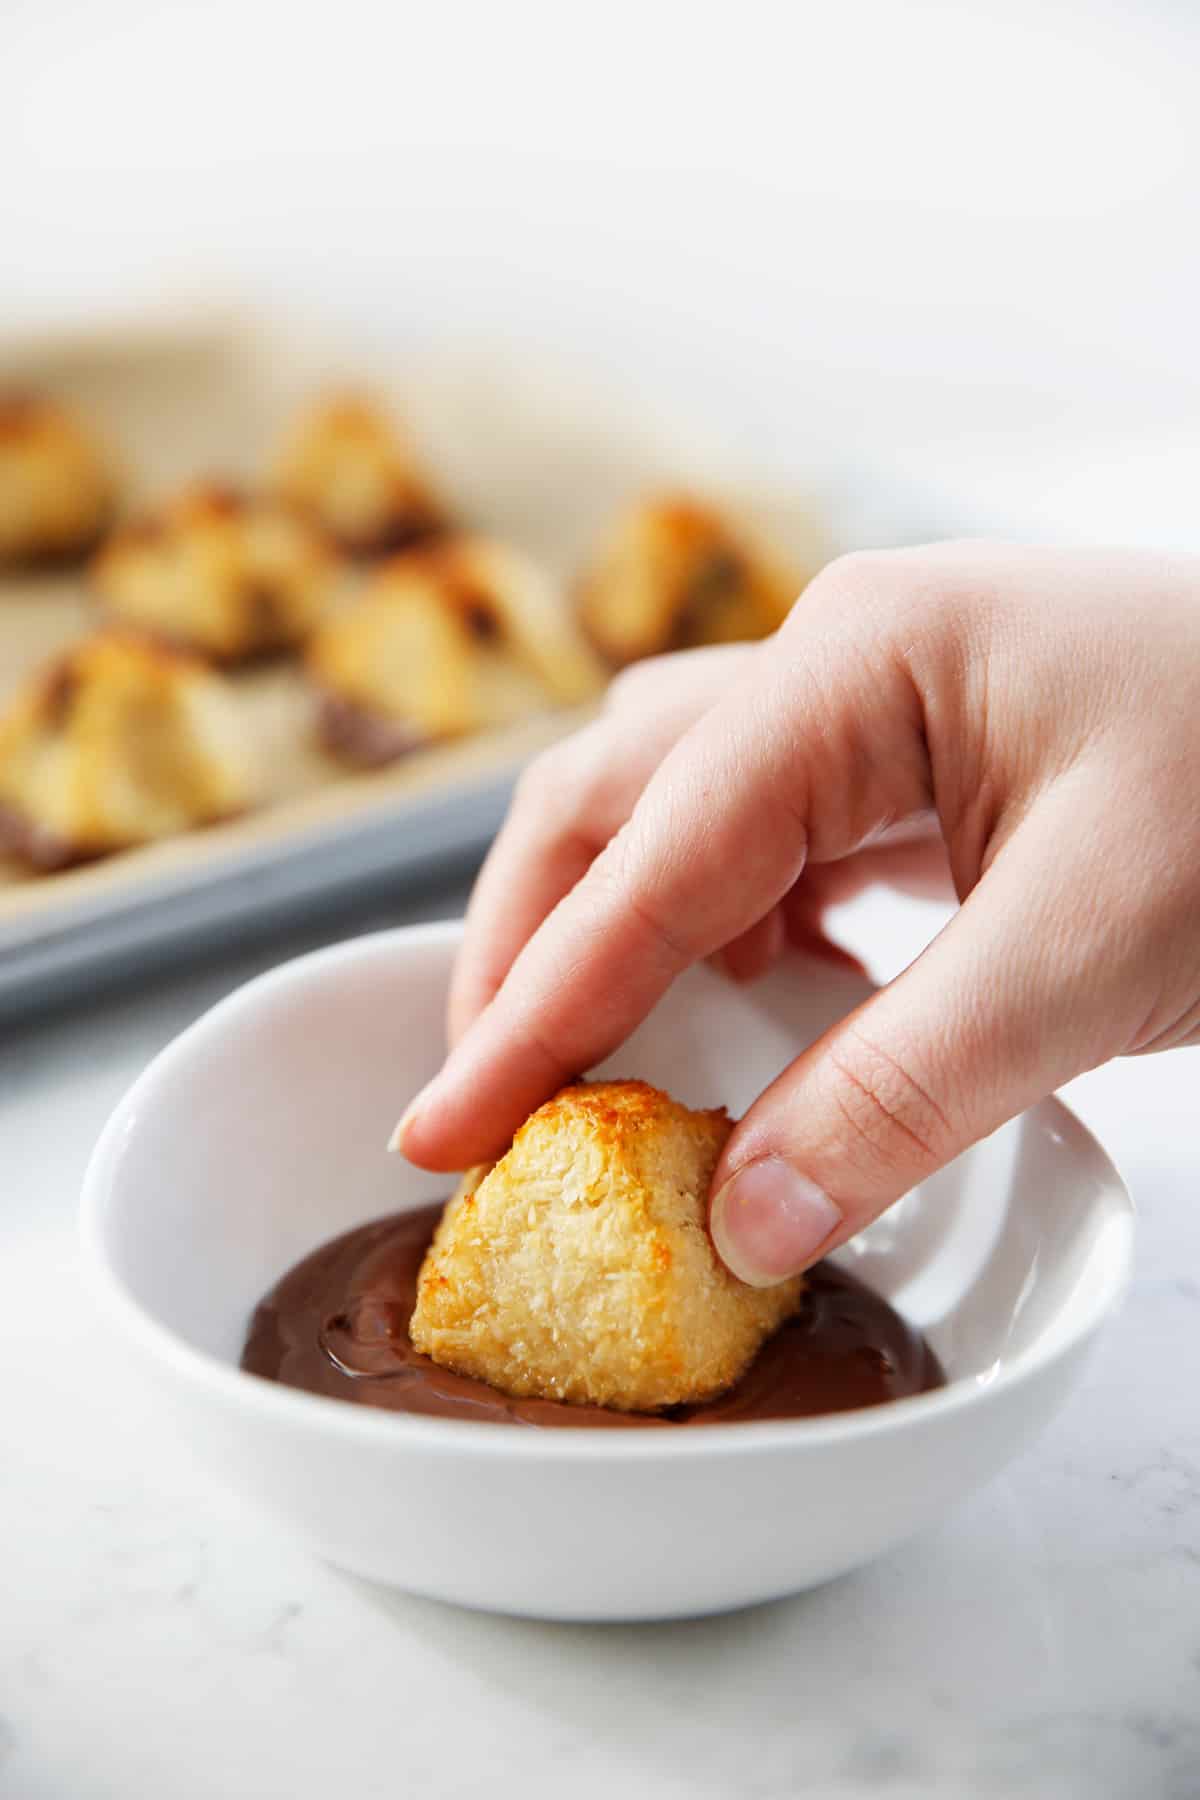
539, 453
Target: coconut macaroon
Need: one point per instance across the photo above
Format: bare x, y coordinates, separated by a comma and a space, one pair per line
579, 1266
347, 466
219, 572
57, 487
117, 743
675, 573
465, 634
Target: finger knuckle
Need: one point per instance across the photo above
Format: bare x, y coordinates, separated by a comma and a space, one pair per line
552, 785
633, 684
900, 592
627, 877
856, 577
890, 1114
536, 781
580, 788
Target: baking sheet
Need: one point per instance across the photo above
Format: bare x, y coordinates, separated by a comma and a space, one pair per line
540, 454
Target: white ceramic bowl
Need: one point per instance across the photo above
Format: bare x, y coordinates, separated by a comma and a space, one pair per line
260, 1133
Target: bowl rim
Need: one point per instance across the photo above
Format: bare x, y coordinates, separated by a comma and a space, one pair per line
274, 1403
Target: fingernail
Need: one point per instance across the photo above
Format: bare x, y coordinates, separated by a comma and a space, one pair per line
396, 1141
769, 1221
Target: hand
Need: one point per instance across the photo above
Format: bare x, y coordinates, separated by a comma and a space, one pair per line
581, 793
1041, 709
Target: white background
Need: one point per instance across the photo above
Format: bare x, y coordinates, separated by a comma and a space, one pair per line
959, 238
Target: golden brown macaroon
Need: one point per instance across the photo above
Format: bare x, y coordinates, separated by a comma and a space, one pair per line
219, 572
117, 743
346, 465
465, 634
579, 1266
57, 488
675, 573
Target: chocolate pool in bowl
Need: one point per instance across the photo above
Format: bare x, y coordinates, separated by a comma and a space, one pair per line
337, 1324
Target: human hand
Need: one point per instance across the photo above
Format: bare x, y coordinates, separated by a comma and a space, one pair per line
1041, 708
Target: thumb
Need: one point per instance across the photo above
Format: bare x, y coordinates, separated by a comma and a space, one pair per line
1020, 992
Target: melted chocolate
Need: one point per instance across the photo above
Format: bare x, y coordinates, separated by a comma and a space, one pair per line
58, 693
337, 1324
407, 527
478, 615
365, 737
31, 843
716, 581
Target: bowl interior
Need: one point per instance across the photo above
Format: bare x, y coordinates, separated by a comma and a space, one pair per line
261, 1133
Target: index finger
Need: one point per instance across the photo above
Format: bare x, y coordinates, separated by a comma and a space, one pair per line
566, 808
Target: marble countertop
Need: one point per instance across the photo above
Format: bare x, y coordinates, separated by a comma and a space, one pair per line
156, 1639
